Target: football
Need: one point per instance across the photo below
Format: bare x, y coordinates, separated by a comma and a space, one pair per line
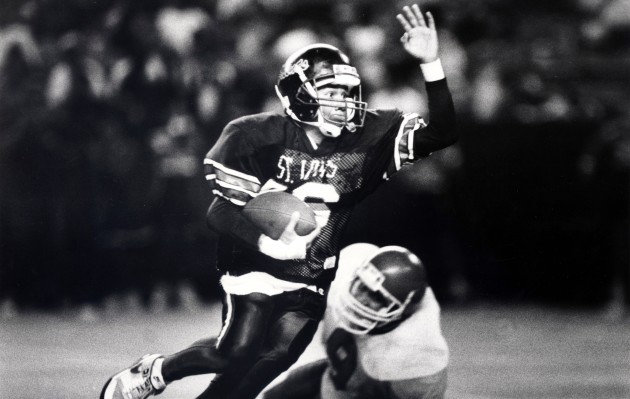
272, 211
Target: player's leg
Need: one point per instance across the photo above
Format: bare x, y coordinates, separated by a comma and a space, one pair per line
232, 374
134, 382
297, 317
244, 328
245, 323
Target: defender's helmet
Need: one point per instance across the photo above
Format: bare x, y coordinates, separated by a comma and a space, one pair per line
311, 68
382, 291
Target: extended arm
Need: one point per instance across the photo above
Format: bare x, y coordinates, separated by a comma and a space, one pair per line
421, 42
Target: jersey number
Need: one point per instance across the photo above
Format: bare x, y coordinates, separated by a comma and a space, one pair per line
319, 193
342, 352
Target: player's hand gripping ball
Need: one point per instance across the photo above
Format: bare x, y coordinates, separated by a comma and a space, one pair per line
272, 211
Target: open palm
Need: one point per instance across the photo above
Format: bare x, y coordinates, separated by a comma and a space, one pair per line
420, 38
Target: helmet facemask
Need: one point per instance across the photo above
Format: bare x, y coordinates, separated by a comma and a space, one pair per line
366, 304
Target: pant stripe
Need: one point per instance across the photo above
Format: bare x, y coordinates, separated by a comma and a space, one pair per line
229, 316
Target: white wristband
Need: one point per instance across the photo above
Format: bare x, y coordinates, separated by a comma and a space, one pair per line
432, 71
263, 243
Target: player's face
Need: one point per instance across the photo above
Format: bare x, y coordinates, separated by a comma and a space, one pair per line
372, 299
332, 100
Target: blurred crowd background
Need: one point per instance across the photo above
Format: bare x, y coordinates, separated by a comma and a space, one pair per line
108, 107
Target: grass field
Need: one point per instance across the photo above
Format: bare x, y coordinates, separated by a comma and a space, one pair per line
496, 352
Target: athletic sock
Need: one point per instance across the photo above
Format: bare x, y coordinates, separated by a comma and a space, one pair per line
156, 374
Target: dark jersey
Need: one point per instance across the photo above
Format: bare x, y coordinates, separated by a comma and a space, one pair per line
269, 151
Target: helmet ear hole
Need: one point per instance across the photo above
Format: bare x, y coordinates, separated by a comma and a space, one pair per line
297, 102
306, 106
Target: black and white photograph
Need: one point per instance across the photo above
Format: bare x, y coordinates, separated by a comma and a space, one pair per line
315, 199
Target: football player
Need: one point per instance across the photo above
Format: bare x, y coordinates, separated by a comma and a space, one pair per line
327, 149
381, 333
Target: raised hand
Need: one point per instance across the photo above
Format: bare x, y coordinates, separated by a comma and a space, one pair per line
420, 37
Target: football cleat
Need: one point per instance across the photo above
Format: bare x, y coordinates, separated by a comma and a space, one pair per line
133, 382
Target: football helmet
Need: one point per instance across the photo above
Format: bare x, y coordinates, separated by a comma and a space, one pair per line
381, 291
311, 68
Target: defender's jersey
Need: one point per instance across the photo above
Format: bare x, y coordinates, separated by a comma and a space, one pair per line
268, 152
409, 361
414, 348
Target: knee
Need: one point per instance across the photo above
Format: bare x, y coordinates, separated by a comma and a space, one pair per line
283, 357
212, 351
238, 350
288, 347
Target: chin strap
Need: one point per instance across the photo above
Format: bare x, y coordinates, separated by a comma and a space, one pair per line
331, 129
327, 128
